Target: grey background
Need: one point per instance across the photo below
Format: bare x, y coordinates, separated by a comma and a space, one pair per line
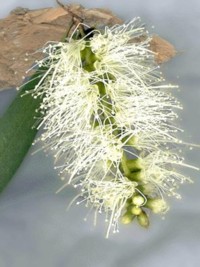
35, 229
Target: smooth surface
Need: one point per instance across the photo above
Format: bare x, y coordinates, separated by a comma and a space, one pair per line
36, 230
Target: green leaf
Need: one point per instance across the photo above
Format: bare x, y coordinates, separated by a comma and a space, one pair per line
16, 126
16, 129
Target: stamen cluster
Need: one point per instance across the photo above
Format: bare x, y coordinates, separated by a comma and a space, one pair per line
109, 118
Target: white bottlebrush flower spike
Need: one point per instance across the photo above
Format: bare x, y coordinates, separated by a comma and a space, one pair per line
109, 119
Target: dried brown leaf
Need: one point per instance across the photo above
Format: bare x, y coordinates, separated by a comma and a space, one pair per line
25, 31
163, 49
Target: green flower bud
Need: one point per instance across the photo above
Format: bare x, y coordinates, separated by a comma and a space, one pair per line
135, 164
136, 176
148, 188
127, 218
135, 210
88, 59
143, 219
132, 141
138, 200
157, 205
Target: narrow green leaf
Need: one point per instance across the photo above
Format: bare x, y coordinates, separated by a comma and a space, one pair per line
16, 130
16, 126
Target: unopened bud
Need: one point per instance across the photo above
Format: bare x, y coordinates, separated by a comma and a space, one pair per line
136, 210
136, 176
132, 141
143, 219
157, 205
127, 218
135, 164
138, 200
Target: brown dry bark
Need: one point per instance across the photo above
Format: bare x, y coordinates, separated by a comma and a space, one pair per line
25, 31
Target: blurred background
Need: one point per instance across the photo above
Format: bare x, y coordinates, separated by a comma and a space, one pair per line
36, 230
